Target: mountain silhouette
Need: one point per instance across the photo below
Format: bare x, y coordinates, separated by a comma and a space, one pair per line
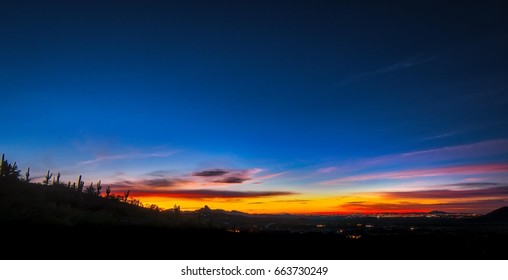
437, 212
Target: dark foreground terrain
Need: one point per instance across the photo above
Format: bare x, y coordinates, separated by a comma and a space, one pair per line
135, 242
57, 222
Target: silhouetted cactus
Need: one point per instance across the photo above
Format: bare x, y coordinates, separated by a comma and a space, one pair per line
126, 195
99, 187
47, 178
2, 165
8, 171
81, 184
58, 178
108, 191
178, 212
27, 175
176, 209
90, 189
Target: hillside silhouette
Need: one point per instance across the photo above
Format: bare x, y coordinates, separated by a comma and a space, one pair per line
498, 216
69, 204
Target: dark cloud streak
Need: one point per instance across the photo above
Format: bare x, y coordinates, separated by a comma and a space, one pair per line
204, 193
210, 173
232, 180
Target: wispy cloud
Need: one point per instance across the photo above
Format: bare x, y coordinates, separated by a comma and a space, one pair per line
471, 184
268, 176
492, 192
408, 63
150, 184
160, 181
440, 136
132, 155
484, 148
272, 175
299, 201
441, 154
419, 173
159, 173
325, 170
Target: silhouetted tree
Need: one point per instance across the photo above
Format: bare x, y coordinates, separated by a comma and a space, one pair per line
47, 178
154, 207
135, 202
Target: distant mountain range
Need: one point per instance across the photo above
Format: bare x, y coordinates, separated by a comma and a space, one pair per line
437, 212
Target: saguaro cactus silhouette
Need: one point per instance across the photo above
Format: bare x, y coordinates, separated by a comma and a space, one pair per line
90, 189
58, 178
2, 166
27, 175
99, 187
80, 185
47, 178
126, 195
108, 191
8, 171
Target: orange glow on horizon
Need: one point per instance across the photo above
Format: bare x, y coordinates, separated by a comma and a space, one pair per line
312, 205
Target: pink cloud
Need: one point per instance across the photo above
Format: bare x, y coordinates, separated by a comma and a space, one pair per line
419, 173
489, 192
474, 150
270, 176
327, 169
484, 148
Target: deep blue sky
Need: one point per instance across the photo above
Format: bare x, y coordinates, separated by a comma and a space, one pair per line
132, 87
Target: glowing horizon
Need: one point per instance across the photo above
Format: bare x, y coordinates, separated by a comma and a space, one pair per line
383, 184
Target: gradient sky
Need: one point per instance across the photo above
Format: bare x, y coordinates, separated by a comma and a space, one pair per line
263, 106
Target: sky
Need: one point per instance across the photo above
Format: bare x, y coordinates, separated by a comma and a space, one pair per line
310, 107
